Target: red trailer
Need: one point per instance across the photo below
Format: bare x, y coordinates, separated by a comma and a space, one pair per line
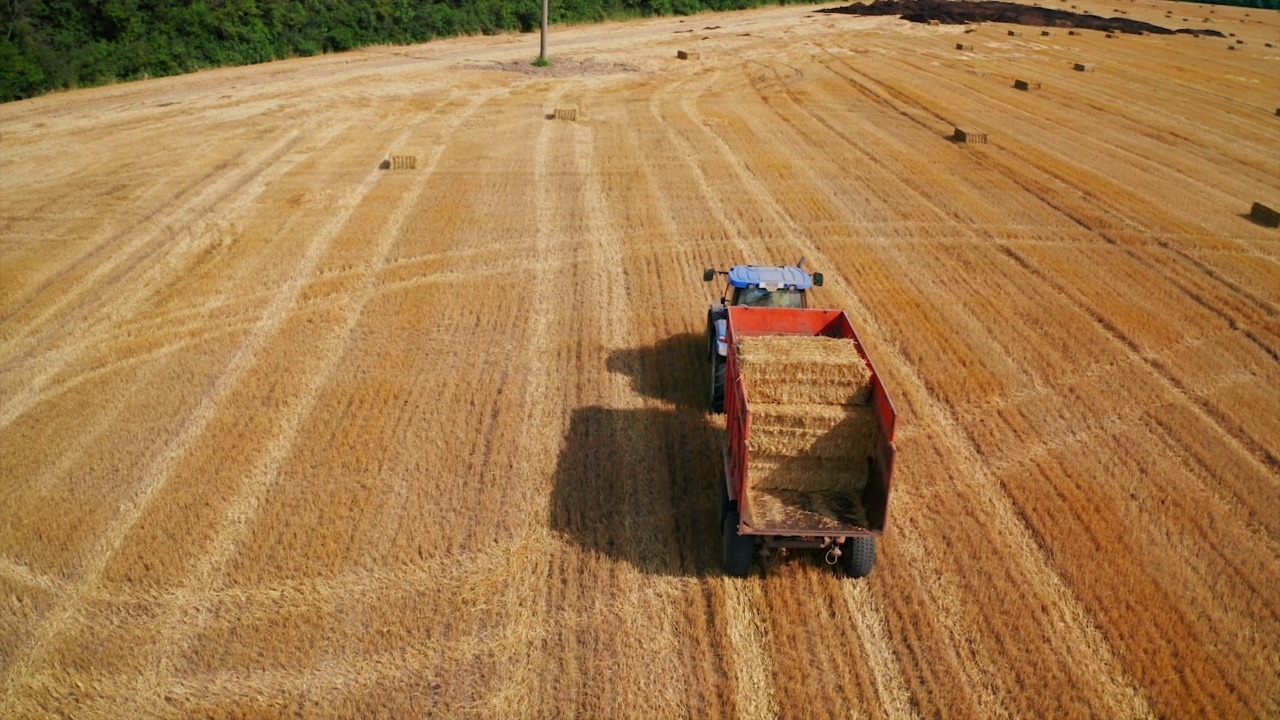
843, 524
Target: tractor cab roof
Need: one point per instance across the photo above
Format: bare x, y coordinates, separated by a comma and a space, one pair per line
769, 277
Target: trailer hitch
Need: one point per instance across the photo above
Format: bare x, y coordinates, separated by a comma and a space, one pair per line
833, 555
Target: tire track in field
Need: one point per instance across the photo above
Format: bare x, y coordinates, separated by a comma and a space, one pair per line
1136, 359
217, 188
69, 614
239, 188
888, 679
1019, 175
607, 254
193, 608
1232, 434
870, 625
1066, 132
1242, 437
1075, 623
542, 415
747, 629
13, 569
207, 328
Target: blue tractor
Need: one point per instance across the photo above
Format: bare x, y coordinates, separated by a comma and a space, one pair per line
779, 286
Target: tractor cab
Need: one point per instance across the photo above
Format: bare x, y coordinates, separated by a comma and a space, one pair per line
778, 286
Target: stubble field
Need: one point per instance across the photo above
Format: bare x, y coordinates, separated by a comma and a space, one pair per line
286, 434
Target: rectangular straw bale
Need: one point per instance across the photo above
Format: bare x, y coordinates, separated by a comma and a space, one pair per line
790, 369
803, 474
818, 431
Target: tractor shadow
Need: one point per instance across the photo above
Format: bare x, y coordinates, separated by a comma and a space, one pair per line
675, 370
639, 485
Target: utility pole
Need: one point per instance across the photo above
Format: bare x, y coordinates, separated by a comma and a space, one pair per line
542, 55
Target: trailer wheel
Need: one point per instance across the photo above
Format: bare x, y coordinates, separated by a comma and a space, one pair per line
859, 556
738, 549
718, 368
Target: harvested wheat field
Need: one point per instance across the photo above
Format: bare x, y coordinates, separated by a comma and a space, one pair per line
286, 433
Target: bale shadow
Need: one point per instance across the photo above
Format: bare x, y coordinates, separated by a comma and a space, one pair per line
1256, 220
640, 486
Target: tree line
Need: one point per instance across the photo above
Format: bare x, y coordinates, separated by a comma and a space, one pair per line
54, 44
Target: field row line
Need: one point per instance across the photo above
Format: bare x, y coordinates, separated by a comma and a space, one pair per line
69, 612
1074, 622
238, 188
191, 613
748, 632
1018, 174
207, 328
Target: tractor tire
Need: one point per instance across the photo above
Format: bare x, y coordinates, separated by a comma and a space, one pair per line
718, 371
711, 337
738, 549
858, 556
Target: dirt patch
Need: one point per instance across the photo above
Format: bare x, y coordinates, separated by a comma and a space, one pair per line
559, 67
963, 12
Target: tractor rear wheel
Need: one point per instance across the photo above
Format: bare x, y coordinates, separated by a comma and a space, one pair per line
718, 367
858, 556
738, 549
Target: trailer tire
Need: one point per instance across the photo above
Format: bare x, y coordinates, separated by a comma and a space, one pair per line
859, 556
738, 549
718, 368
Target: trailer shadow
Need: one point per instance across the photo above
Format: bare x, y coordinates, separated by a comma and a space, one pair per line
639, 485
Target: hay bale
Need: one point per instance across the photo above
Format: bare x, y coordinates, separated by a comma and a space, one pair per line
934, 22
1264, 215
811, 430
803, 370
1231, 47
570, 114
963, 46
1239, 42
969, 136
1083, 67
1072, 32
1025, 85
808, 474
1110, 35
404, 162
1045, 33
1015, 33
686, 55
